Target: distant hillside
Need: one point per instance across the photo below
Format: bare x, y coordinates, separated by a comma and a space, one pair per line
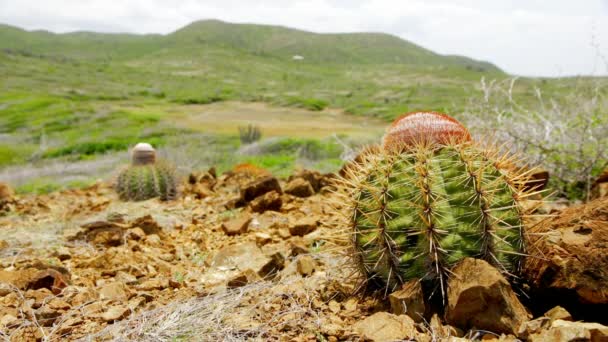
257, 40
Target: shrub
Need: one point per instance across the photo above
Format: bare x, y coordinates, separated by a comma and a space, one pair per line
567, 136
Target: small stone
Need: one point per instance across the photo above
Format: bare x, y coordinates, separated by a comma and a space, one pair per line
479, 296
153, 284
262, 239
334, 306
558, 313
237, 226
384, 326
247, 276
299, 187
303, 226
153, 240
3, 244
259, 187
136, 234
283, 233
572, 331
409, 300
115, 313
125, 277
148, 224
58, 304
114, 291
274, 265
46, 316
268, 201
8, 320
305, 265
49, 279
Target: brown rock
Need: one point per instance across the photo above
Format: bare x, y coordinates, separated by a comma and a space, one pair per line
305, 265
572, 331
479, 296
268, 201
259, 187
114, 291
247, 276
383, 326
600, 186
105, 233
569, 255
558, 313
299, 187
532, 327
274, 265
46, 316
6, 196
136, 234
6, 192
409, 300
237, 226
147, 224
262, 238
314, 178
3, 244
49, 279
153, 284
115, 313
248, 256
538, 180
303, 226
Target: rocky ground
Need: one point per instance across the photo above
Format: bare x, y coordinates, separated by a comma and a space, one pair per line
246, 256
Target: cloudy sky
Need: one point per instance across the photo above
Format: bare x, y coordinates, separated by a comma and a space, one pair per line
524, 37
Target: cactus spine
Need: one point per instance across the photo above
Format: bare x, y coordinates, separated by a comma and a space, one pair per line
427, 200
146, 178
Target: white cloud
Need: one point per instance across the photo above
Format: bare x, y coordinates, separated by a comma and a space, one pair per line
523, 37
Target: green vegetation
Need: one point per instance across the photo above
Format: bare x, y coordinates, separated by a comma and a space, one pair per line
77, 96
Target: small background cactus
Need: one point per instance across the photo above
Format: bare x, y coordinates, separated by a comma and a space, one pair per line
146, 178
249, 134
429, 198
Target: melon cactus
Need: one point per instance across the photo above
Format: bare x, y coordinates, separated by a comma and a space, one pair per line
429, 198
146, 178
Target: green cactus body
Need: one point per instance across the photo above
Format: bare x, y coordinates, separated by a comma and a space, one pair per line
142, 182
416, 213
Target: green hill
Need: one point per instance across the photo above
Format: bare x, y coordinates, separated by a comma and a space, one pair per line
257, 40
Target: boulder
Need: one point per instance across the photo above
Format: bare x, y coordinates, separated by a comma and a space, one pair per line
384, 326
409, 300
268, 201
568, 260
479, 296
259, 187
299, 187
